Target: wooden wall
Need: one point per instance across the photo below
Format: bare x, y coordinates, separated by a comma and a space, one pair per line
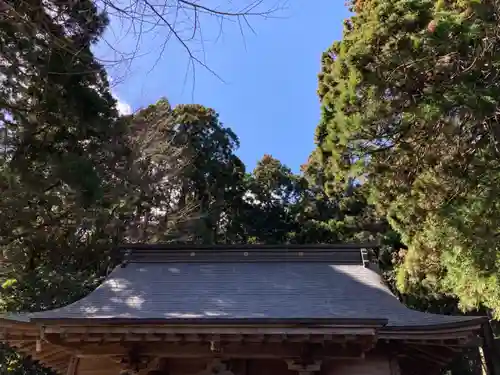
375, 365
371, 365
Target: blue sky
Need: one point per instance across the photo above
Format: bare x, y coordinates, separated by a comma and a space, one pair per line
268, 96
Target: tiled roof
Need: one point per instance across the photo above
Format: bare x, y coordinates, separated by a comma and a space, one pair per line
245, 288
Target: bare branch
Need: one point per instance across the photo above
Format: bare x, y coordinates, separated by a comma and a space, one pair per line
182, 22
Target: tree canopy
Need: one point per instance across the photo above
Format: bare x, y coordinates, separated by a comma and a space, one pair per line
409, 104
407, 156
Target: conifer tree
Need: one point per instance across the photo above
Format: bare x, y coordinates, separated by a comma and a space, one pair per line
62, 157
409, 103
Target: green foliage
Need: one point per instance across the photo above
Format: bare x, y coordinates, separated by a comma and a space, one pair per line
61, 157
273, 193
407, 104
407, 154
276, 206
57, 113
187, 175
12, 363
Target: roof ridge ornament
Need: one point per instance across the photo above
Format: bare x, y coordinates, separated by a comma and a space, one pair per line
127, 254
370, 261
365, 257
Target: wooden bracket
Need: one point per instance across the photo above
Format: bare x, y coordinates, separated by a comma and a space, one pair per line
217, 367
304, 368
158, 366
133, 363
215, 347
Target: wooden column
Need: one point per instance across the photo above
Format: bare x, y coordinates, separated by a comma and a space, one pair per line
73, 366
490, 352
394, 366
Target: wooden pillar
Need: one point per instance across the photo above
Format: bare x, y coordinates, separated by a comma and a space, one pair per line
73, 366
394, 366
489, 351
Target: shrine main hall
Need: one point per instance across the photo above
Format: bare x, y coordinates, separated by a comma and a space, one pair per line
243, 310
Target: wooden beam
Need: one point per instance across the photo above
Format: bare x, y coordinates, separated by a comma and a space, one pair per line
229, 350
111, 338
433, 355
221, 330
60, 359
457, 345
423, 334
409, 365
48, 355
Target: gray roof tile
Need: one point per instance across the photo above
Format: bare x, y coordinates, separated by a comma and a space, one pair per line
240, 290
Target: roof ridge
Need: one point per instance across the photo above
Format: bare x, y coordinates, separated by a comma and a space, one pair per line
248, 246
161, 253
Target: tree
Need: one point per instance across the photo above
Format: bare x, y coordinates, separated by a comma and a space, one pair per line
185, 23
13, 364
186, 173
62, 159
273, 193
62, 153
282, 207
213, 170
47, 66
408, 104
156, 170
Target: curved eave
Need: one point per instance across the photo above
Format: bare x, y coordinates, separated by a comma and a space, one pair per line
465, 323
222, 322
24, 336
24, 328
463, 332
381, 325
51, 341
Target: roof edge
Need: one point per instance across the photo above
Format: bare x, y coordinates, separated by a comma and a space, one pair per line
465, 323
173, 246
358, 254
255, 322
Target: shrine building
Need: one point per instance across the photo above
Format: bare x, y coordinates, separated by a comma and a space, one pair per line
242, 310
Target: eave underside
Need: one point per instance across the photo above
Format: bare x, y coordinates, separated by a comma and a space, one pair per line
100, 349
